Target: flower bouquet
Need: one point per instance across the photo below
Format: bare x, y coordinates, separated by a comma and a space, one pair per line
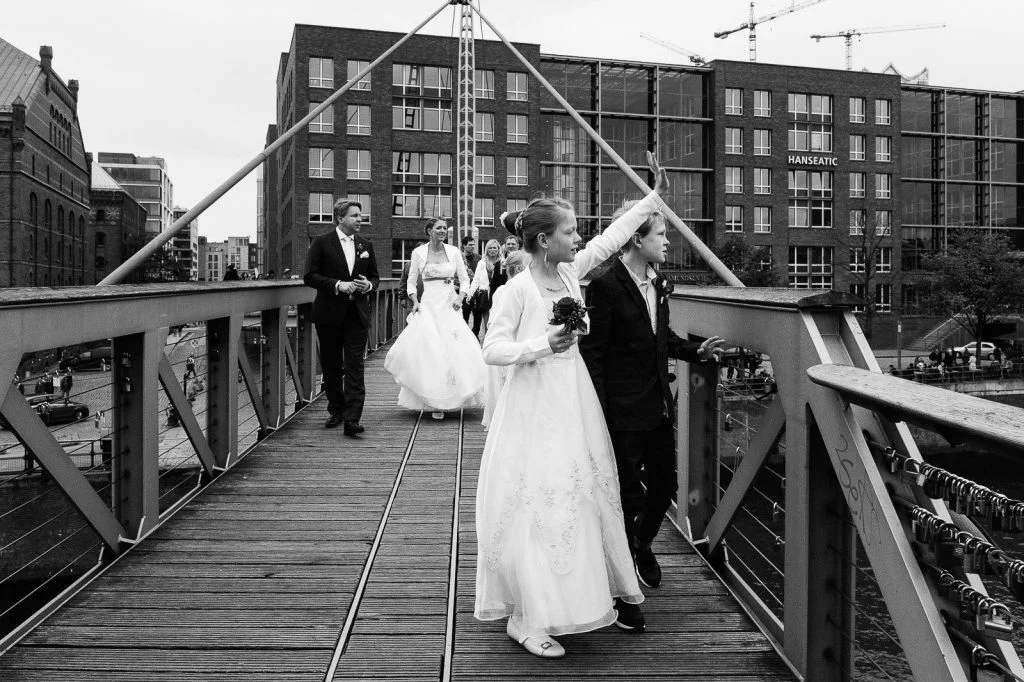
570, 312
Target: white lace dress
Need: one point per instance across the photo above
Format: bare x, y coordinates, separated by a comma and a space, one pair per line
436, 359
552, 550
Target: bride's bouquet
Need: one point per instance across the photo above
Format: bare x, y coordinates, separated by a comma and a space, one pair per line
570, 312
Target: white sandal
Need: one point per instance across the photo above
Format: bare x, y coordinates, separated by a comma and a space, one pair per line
540, 645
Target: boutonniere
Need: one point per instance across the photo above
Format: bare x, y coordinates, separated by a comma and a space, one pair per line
364, 254
664, 289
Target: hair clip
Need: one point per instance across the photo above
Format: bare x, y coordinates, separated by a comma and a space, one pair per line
519, 222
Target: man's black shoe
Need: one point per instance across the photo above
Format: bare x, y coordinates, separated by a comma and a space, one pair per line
333, 421
647, 568
629, 616
353, 428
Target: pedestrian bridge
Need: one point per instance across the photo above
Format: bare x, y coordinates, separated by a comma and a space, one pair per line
242, 540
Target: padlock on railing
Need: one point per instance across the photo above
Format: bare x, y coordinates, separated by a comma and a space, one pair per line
999, 622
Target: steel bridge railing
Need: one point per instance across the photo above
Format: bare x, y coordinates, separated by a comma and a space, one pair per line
180, 381
800, 480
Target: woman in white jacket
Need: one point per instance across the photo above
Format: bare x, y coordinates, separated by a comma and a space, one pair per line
552, 550
436, 358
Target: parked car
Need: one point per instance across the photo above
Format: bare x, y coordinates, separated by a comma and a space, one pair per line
51, 409
92, 359
987, 349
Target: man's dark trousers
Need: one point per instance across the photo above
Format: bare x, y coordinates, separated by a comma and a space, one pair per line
646, 459
343, 373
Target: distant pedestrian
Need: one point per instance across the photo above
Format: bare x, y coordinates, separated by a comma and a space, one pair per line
66, 383
190, 367
231, 274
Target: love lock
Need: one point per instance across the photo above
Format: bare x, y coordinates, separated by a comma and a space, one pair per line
998, 623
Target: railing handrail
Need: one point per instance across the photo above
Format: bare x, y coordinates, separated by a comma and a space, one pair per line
770, 297
992, 424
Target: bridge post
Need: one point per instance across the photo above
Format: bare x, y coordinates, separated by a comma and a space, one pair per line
274, 327
222, 386
306, 356
135, 469
697, 446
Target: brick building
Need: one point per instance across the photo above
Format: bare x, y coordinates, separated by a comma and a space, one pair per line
185, 244
44, 175
118, 223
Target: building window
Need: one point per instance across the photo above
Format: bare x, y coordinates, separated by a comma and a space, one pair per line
810, 267
762, 103
512, 205
358, 119
810, 198
354, 67
883, 112
517, 86
483, 84
762, 142
483, 127
797, 106
415, 113
857, 222
856, 147
321, 162
821, 137
484, 170
437, 116
517, 127
483, 211
799, 137
410, 201
733, 218
416, 167
821, 108
883, 298
516, 170
733, 140
101, 238
856, 110
358, 164
364, 205
762, 220
883, 186
884, 263
321, 72
321, 207
733, 180
857, 260
734, 101
883, 223
401, 254
856, 185
762, 181
883, 148
324, 122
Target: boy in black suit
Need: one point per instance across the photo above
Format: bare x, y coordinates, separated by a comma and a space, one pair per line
342, 268
627, 352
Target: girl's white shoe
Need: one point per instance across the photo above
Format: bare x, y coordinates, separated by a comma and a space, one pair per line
540, 645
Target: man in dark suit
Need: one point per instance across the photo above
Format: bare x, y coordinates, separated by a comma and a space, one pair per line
627, 352
342, 268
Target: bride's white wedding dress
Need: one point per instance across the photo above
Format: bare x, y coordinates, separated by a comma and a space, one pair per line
552, 549
436, 359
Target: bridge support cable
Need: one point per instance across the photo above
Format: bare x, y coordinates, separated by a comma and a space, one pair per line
151, 247
353, 610
694, 241
453, 569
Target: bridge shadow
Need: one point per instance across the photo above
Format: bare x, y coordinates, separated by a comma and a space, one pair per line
319, 548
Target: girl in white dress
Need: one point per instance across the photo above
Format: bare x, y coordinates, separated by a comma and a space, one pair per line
436, 359
552, 550
515, 263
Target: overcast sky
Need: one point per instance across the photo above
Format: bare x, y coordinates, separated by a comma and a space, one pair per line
193, 81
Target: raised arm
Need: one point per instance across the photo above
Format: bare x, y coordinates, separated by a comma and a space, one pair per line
500, 345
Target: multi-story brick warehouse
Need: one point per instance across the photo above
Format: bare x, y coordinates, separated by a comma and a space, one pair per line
44, 175
821, 165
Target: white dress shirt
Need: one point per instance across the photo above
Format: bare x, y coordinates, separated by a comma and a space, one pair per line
647, 292
348, 247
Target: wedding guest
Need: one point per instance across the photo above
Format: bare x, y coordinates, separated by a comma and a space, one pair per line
436, 359
480, 289
627, 354
552, 549
515, 263
471, 258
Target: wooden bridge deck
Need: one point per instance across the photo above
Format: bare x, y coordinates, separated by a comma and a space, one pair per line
256, 578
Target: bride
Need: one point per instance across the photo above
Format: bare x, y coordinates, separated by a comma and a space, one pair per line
436, 359
552, 549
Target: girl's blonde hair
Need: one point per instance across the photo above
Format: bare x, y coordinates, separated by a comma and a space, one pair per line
519, 260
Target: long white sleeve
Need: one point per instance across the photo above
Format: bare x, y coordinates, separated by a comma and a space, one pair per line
480, 278
415, 266
500, 345
615, 235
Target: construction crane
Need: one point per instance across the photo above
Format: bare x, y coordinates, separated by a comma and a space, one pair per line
850, 33
695, 58
752, 23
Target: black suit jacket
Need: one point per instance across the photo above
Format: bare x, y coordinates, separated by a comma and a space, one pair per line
627, 361
326, 265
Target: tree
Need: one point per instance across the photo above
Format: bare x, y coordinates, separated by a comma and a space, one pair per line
751, 264
162, 266
976, 280
871, 255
